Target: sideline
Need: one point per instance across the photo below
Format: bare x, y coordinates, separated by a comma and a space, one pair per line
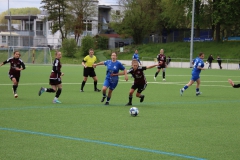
100, 142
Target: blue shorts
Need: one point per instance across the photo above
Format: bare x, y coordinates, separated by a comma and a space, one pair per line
110, 84
195, 77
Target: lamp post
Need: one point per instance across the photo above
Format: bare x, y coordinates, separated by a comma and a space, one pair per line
192, 33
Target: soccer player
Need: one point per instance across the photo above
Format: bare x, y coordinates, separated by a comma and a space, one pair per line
111, 82
55, 79
88, 70
16, 65
198, 66
162, 65
136, 56
140, 82
233, 85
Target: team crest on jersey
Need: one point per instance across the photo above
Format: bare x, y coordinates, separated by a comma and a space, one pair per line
115, 67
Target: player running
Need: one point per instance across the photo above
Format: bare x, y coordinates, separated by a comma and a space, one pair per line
161, 57
198, 65
55, 79
16, 66
111, 82
140, 82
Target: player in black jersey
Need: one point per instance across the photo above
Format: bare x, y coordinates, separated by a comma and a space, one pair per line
161, 57
16, 65
140, 82
55, 79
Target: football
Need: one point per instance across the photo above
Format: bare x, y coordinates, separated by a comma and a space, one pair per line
134, 111
206, 62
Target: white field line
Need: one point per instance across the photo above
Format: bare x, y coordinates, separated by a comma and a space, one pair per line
124, 82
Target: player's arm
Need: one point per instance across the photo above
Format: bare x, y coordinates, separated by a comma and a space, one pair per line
22, 67
148, 67
200, 67
55, 68
83, 64
84, 61
118, 74
96, 64
125, 73
4, 62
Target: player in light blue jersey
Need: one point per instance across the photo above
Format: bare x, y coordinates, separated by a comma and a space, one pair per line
136, 56
198, 66
111, 82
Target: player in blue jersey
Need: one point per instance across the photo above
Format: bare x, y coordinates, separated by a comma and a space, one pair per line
136, 56
113, 67
198, 65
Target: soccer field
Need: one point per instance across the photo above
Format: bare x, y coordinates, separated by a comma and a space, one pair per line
169, 126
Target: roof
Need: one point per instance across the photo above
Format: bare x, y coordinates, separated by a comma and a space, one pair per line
21, 17
104, 7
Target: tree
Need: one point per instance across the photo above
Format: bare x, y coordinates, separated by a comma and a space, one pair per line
138, 19
18, 11
59, 15
82, 11
87, 43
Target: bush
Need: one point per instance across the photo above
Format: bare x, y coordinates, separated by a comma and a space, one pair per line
102, 42
69, 48
87, 43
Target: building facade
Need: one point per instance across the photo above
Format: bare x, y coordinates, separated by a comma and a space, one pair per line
35, 30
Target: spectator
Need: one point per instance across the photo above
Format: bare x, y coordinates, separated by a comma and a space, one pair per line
219, 60
168, 60
210, 59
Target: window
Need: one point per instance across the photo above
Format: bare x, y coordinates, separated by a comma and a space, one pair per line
118, 12
87, 25
4, 39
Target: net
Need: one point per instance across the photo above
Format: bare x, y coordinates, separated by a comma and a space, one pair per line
34, 55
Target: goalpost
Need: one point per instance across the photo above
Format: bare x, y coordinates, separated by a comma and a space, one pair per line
34, 55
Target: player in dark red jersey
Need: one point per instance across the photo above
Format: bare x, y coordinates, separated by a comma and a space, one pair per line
161, 57
55, 79
16, 65
140, 82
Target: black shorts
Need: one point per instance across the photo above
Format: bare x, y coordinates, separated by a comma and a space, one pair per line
139, 87
11, 76
89, 71
55, 81
161, 66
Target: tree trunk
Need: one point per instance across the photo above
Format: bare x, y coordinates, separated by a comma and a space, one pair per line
218, 32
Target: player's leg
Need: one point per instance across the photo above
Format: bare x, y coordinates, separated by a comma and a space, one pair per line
85, 77
233, 85
52, 82
106, 84
15, 85
95, 84
163, 74
112, 86
187, 85
83, 83
156, 74
130, 95
109, 96
139, 91
58, 89
197, 87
